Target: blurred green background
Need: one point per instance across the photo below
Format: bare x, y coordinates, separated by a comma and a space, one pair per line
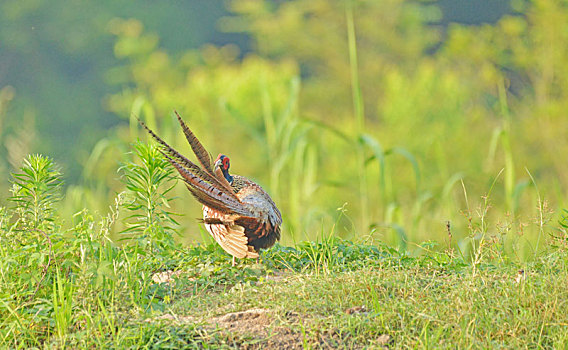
381, 119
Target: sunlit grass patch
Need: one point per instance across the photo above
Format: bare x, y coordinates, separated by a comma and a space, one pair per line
80, 288
415, 301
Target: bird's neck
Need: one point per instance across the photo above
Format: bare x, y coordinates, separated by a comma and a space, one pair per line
227, 176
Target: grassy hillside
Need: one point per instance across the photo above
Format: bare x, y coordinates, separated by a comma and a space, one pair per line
78, 288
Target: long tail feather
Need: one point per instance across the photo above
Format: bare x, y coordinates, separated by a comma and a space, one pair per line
207, 201
191, 167
207, 193
200, 152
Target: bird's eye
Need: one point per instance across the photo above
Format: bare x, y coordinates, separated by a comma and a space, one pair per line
226, 163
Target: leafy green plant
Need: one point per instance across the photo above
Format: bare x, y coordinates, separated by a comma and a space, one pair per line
148, 183
32, 242
35, 192
54, 282
29, 229
62, 305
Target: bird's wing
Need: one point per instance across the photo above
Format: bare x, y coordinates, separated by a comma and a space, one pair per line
265, 217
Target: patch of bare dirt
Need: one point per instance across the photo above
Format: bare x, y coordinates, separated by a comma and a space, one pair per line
253, 321
261, 324
357, 310
384, 340
278, 276
268, 330
165, 276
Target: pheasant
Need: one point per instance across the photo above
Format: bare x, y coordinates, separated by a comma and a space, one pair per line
238, 213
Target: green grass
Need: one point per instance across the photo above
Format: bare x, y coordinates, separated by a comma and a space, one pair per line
79, 288
417, 302
432, 301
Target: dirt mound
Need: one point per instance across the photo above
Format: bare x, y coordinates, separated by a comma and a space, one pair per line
262, 325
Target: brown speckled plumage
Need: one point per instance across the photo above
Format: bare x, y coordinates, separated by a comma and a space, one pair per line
237, 212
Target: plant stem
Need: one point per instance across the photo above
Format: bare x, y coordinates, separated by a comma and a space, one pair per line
359, 112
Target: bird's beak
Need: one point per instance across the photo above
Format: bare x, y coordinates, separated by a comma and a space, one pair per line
218, 164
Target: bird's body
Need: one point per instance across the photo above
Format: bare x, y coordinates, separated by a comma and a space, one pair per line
238, 213
259, 228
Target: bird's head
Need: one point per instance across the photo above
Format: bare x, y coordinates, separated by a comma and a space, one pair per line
224, 163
